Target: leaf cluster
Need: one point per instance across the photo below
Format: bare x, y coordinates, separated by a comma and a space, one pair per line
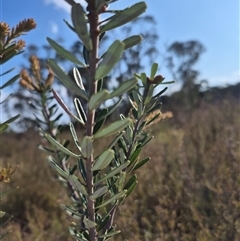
99, 182
8, 49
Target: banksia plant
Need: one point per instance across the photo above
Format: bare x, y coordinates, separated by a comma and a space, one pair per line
99, 182
41, 98
10, 47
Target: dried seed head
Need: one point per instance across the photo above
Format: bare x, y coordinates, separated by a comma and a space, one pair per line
24, 74
35, 66
22, 27
50, 78
4, 30
159, 117
26, 84
6, 172
26, 81
20, 45
25, 26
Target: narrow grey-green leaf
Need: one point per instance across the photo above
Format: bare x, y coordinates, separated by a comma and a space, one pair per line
80, 110
122, 156
43, 148
77, 184
87, 146
121, 181
88, 223
109, 235
158, 95
167, 82
144, 79
135, 154
141, 163
129, 133
98, 193
75, 138
109, 110
130, 181
3, 127
64, 106
114, 172
64, 53
60, 146
66, 80
113, 128
97, 99
153, 70
71, 210
133, 104
103, 222
12, 119
149, 94
123, 88
8, 71
86, 55
131, 184
12, 80
78, 78
69, 25
124, 16
132, 41
103, 160
80, 25
112, 199
113, 143
1, 102
110, 58
82, 168
58, 169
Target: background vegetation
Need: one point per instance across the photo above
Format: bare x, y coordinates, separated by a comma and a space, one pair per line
188, 191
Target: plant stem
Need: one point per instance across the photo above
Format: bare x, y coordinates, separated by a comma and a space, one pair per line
93, 60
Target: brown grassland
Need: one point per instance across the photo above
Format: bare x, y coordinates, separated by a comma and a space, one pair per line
190, 190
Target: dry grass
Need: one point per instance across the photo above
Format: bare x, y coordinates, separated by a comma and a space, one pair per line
188, 191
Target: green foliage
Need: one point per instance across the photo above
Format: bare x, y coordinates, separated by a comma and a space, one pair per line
109, 59
124, 16
9, 48
98, 181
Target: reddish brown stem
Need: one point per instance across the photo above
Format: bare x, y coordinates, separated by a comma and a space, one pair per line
94, 33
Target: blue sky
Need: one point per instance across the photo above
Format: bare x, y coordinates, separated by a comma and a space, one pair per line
214, 23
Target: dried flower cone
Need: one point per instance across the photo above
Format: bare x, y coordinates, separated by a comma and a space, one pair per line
36, 82
9, 47
26, 81
4, 31
159, 117
50, 78
5, 173
22, 27
35, 67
